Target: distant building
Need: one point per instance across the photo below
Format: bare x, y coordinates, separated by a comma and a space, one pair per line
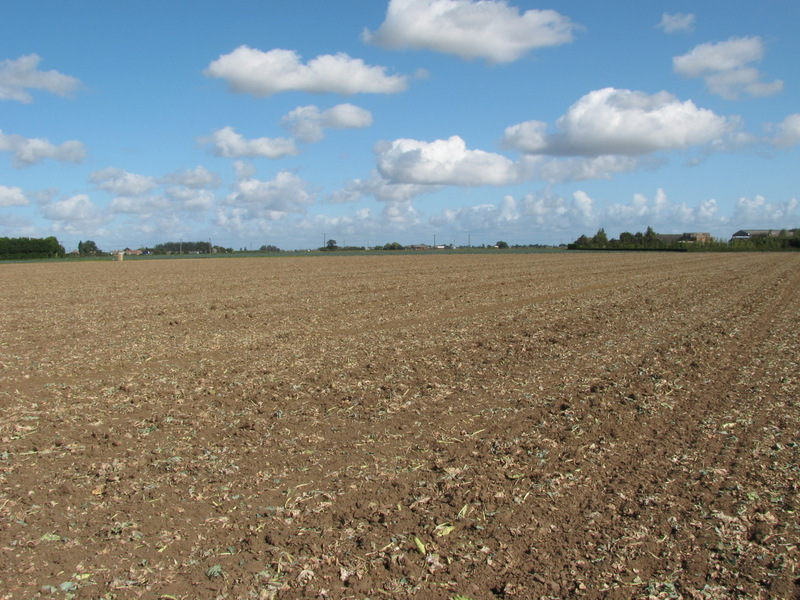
753, 234
669, 238
702, 237
684, 238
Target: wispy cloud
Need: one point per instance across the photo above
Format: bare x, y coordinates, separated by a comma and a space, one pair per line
196, 178
726, 67
30, 151
786, 133
677, 23
381, 189
22, 74
307, 123
560, 170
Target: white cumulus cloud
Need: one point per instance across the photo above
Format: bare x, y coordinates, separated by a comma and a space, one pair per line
726, 68
529, 136
662, 213
197, 178
401, 214
75, 215
191, 199
614, 121
584, 204
30, 151
787, 132
12, 196
483, 217
226, 142
287, 193
381, 189
442, 162
489, 29
122, 183
679, 22
143, 206
544, 209
244, 169
23, 74
307, 123
757, 212
249, 70
579, 168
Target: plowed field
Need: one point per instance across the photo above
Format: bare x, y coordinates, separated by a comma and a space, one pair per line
433, 426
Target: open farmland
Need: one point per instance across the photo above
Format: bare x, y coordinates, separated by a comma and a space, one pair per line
489, 426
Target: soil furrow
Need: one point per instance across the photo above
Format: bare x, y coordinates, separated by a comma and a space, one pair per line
507, 426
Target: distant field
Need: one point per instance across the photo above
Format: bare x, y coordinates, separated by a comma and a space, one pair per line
427, 426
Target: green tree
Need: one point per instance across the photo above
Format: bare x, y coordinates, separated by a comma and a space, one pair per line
600, 239
502, 244
650, 239
89, 248
583, 242
331, 245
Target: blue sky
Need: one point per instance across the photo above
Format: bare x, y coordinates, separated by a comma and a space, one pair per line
287, 123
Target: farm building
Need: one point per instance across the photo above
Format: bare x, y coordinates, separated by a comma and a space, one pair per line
685, 238
752, 234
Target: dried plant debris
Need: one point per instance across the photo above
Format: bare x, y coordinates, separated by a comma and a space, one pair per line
446, 427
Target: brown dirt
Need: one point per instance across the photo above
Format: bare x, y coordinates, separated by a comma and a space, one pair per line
475, 426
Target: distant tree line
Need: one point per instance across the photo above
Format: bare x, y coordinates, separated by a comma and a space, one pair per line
178, 247
331, 246
24, 247
650, 240
627, 241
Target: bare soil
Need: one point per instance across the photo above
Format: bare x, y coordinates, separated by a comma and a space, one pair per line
446, 426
